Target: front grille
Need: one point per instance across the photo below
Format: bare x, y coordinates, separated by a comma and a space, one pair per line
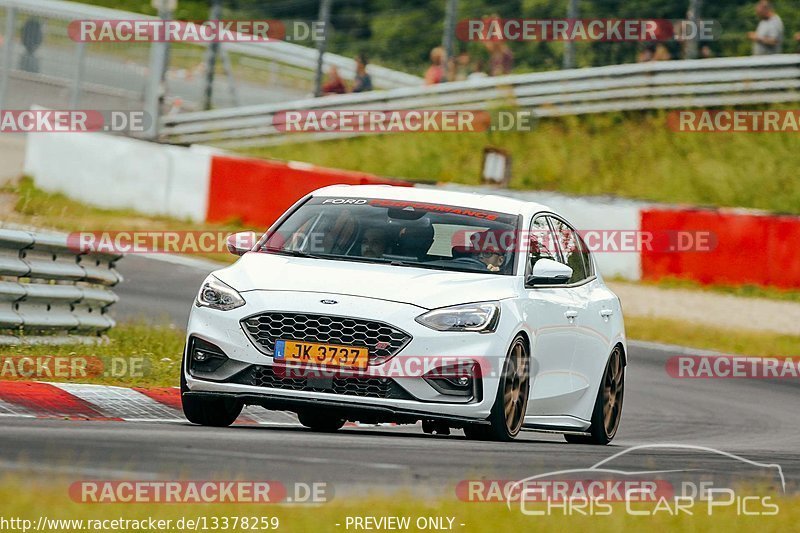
383, 340
265, 376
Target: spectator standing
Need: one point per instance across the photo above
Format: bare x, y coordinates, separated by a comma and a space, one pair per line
768, 37
335, 83
477, 71
661, 53
435, 72
501, 59
459, 67
647, 53
363, 81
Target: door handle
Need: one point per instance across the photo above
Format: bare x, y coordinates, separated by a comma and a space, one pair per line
605, 313
571, 315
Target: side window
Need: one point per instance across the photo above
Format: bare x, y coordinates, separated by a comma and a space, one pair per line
573, 251
542, 243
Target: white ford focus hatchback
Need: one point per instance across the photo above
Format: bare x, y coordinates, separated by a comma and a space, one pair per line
393, 304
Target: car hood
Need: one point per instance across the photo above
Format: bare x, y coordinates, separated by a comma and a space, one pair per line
424, 288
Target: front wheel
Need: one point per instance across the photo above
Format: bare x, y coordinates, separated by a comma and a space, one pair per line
320, 422
608, 405
215, 412
508, 412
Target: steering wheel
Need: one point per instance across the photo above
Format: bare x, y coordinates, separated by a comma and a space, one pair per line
472, 261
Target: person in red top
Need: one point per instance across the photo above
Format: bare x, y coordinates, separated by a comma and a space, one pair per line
335, 84
435, 72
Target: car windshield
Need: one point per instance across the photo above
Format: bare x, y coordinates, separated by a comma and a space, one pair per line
399, 232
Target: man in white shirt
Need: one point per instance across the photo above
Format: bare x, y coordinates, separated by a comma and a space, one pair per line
768, 37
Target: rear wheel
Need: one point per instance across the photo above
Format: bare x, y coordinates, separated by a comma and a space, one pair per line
608, 405
216, 412
321, 422
508, 412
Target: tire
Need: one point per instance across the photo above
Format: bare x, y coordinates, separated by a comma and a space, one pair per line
321, 422
214, 412
508, 411
607, 411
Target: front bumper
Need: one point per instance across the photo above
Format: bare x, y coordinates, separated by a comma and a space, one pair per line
413, 396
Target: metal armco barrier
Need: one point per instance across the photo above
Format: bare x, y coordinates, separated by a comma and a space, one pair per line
51, 292
724, 81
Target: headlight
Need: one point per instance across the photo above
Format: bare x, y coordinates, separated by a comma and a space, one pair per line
481, 317
217, 295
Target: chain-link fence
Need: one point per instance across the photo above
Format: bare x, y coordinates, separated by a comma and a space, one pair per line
41, 64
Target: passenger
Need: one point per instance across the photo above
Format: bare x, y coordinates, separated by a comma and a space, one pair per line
374, 243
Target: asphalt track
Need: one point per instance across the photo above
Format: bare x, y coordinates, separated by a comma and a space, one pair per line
754, 418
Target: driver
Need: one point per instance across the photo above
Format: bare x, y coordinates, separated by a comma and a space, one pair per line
493, 259
486, 247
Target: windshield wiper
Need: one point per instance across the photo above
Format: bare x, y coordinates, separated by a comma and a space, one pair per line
373, 260
294, 253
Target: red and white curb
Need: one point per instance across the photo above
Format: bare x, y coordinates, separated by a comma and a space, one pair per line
79, 401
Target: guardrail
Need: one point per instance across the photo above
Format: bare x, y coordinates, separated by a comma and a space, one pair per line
655, 85
51, 292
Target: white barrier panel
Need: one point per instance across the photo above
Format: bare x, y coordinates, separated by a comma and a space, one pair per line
121, 173
588, 213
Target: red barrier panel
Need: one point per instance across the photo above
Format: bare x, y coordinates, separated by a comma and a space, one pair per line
748, 248
258, 191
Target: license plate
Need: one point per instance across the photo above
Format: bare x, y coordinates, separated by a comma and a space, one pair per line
314, 353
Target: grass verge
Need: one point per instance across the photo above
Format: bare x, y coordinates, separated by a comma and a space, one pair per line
31, 500
136, 355
632, 155
710, 338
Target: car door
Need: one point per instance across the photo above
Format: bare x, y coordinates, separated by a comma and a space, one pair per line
551, 314
596, 306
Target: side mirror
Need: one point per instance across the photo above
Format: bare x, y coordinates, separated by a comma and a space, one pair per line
549, 272
241, 243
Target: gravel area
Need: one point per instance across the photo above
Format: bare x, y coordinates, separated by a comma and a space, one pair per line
703, 307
